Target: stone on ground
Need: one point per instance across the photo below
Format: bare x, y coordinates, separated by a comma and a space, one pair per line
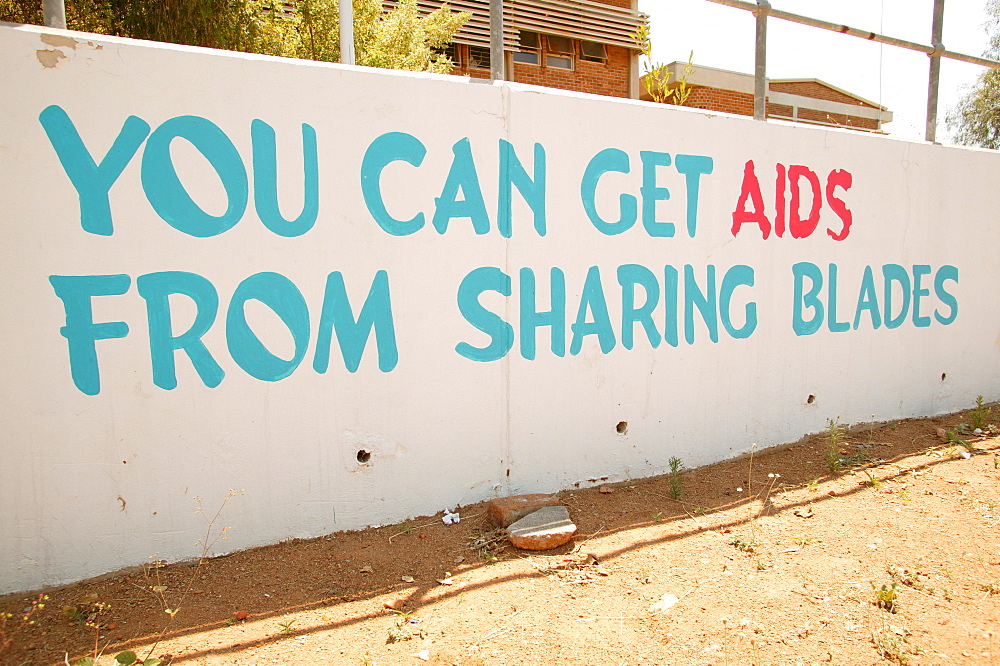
506, 510
546, 528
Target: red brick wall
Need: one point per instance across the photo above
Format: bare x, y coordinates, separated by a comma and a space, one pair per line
719, 99
601, 78
817, 91
731, 101
838, 119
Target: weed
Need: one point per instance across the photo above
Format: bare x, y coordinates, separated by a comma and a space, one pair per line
952, 438
990, 588
674, 477
980, 414
11, 625
891, 645
886, 597
744, 545
490, 544
91, 608
657, 77
658, 516
286, 627
403, 628
834, 442
872, 479
803, 541
126, 658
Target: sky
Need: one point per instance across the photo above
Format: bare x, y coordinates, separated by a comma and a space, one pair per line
723, 37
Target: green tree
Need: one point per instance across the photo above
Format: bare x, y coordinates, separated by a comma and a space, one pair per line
976, 118
396, 39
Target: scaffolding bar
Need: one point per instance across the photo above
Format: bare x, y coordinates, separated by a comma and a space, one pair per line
496, 40
346, 18
760, 62
54, 13
934, 77
863, 34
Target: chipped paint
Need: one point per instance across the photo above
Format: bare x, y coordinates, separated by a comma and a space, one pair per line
60, 41
50, 57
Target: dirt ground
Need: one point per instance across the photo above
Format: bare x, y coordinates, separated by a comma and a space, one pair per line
769, 559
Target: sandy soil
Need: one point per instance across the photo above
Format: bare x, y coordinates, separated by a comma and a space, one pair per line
770, 559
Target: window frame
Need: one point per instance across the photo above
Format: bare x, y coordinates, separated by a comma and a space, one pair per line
474, 62
528, 54
603, 58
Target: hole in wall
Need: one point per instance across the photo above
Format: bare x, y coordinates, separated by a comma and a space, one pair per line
944, 376
508, 471
622, 427
811, 399
364, 455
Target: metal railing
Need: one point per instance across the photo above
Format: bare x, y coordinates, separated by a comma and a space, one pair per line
762, 9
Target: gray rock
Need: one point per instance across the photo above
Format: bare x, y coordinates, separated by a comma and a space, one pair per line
548, 527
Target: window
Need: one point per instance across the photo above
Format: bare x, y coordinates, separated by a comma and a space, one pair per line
560, 52
593, 51
530, 45
560, 45
479, 57
559, 62
454, 53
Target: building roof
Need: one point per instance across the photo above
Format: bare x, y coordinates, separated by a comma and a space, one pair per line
590, 20
801, 93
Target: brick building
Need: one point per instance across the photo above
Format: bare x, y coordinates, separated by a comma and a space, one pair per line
581, 45
801, 100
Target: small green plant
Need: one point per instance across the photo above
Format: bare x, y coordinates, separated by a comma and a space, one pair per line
126, 658
980, 414
286, 627
404, 628
674, 477
952, 438
745, 545
872, 479
886, 597
803, 541
656, 76
990, 588
834, 442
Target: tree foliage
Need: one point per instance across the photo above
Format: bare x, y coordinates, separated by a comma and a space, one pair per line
396, 39
976, 117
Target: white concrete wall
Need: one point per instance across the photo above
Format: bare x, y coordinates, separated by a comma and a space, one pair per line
91, 481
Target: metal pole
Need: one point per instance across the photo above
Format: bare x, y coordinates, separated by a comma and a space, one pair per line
760, 62
54, 12
935, 71
496, 40
346, 9
863, 34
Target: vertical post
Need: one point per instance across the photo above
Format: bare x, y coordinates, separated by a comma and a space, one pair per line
54, 12
346, 9
496, 40
760, 62
935, 72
